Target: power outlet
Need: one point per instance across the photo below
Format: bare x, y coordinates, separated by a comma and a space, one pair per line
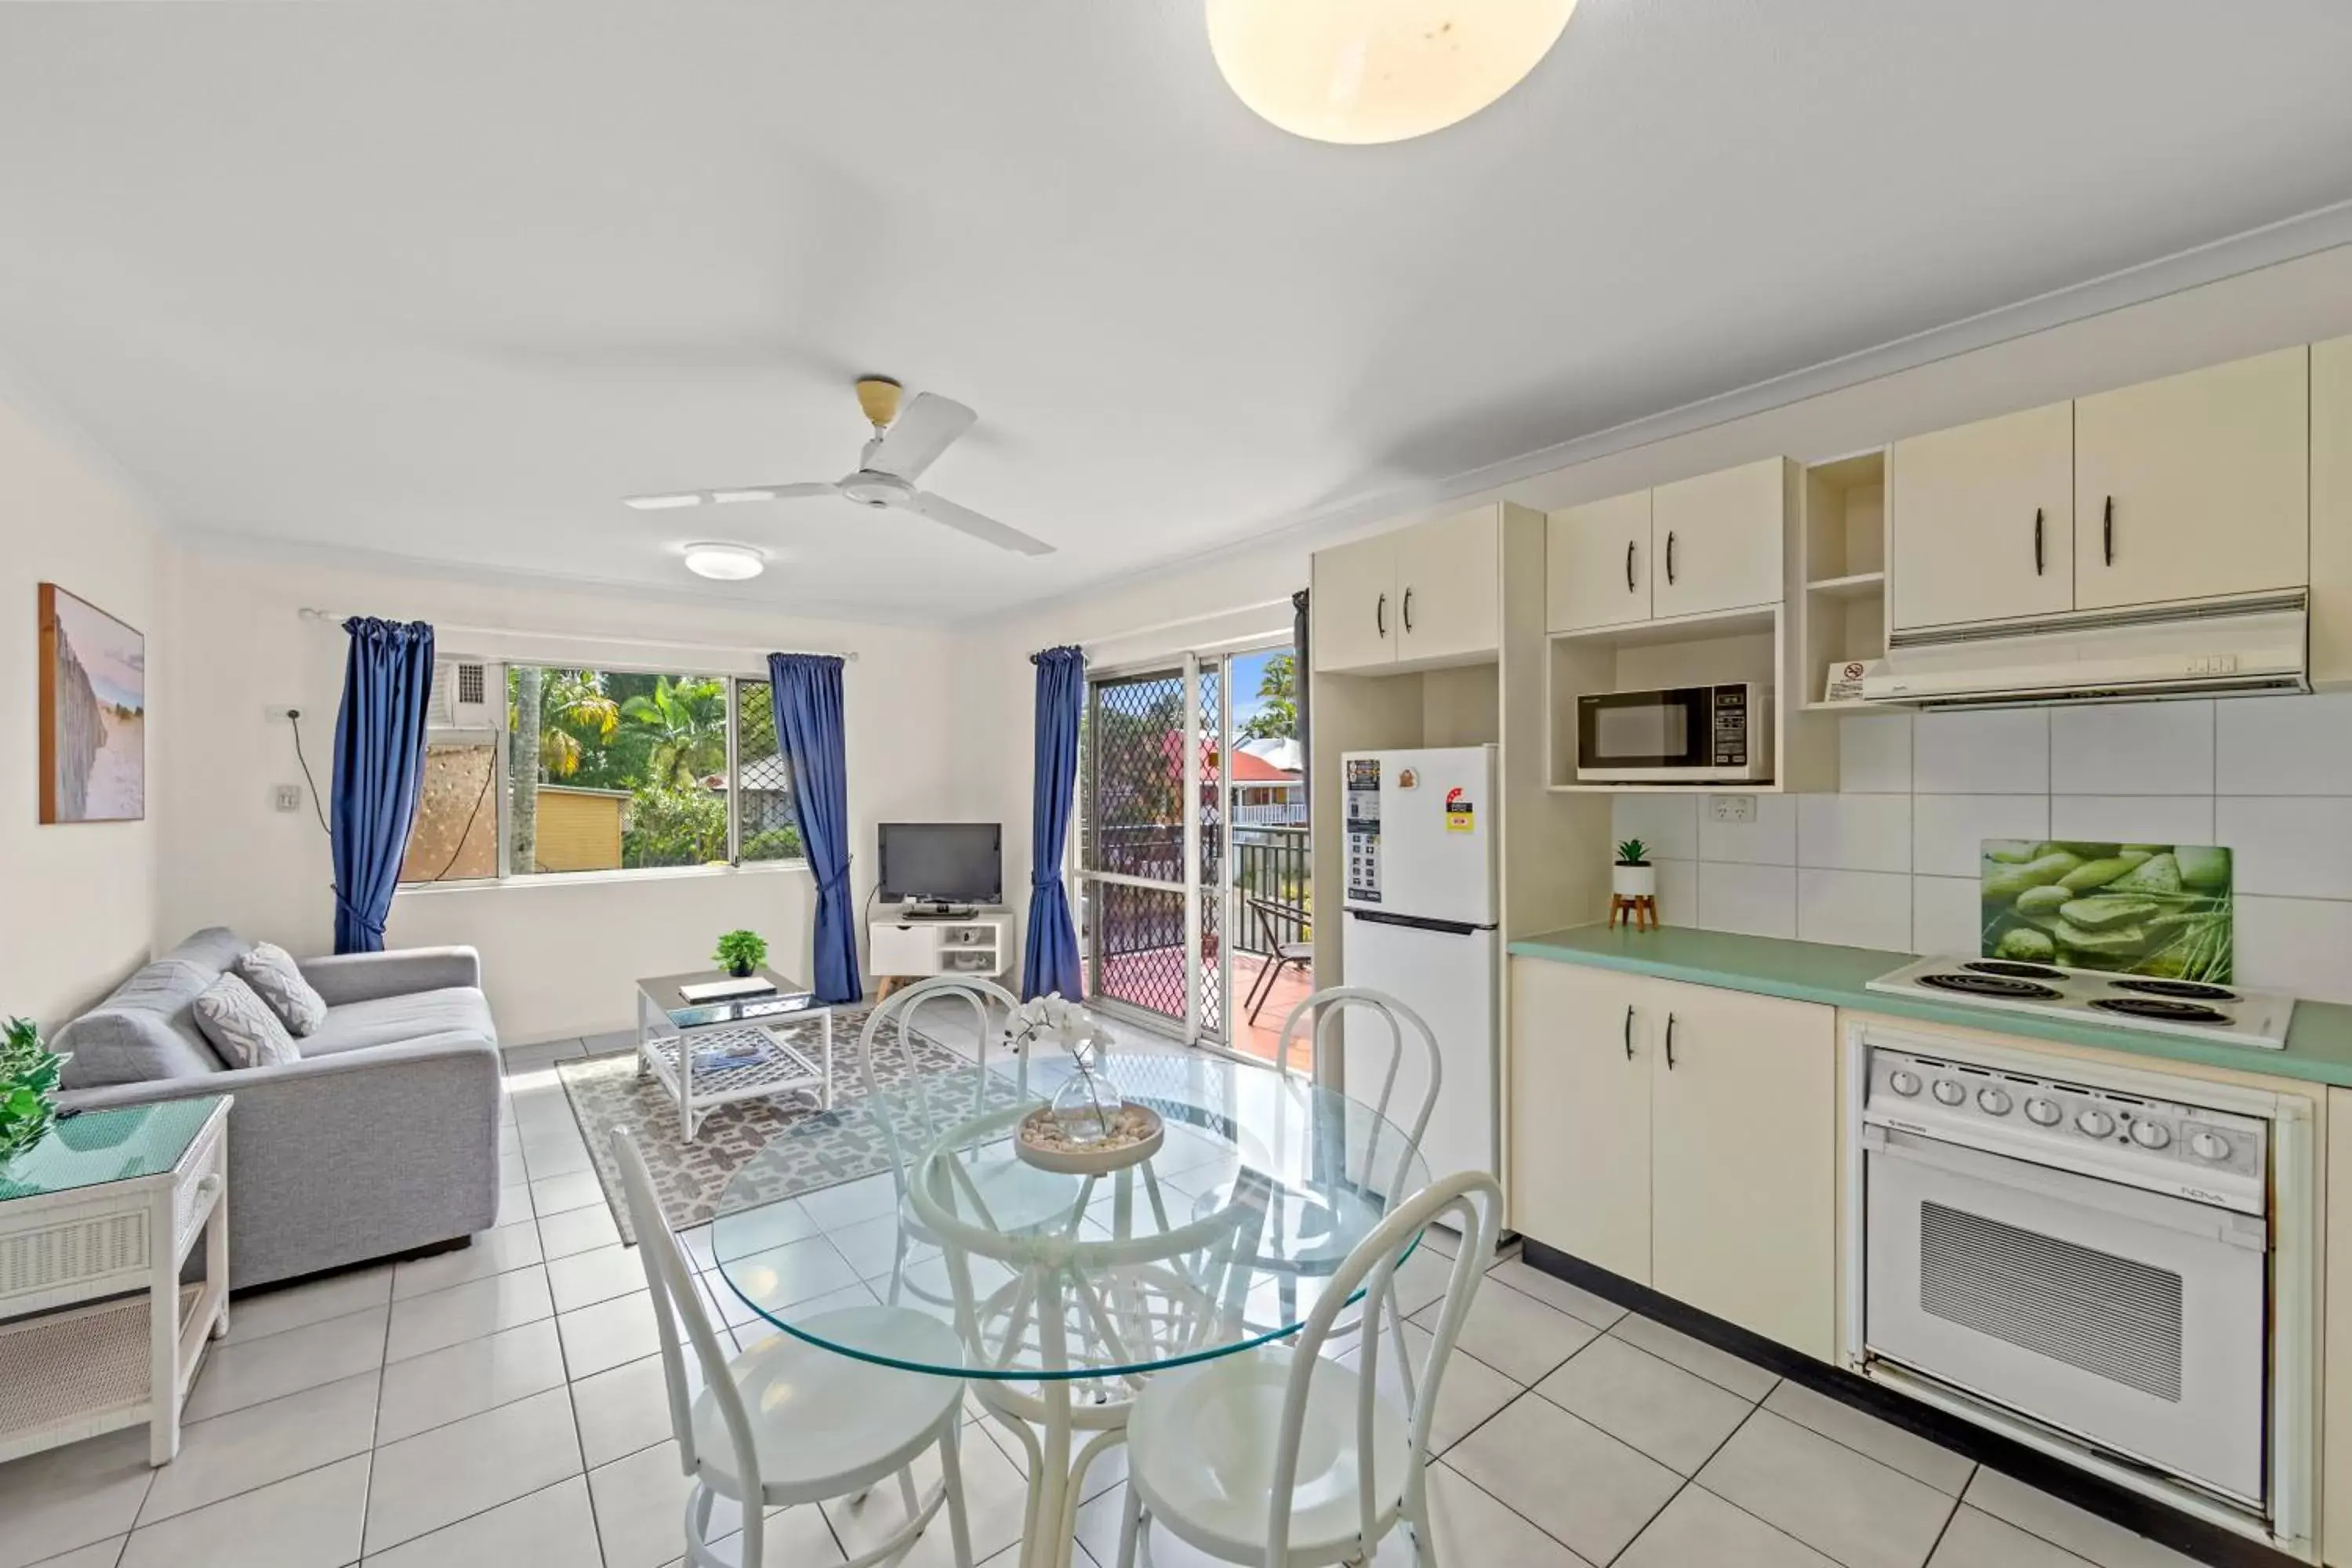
1731, 808
287, 797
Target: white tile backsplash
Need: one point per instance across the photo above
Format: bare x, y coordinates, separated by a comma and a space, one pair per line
1668, 823
2132, 748
1949, 831
1874, 753
2001, 752
2283, 745
1769, 840
2298, 845
1855, 909
2132, 818
1854, 832
1760, 900
1891, 860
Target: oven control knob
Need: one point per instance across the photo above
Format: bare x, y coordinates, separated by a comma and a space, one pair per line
1903, 1082
1994, 1102
2097, 1123
2209, 1146
2151, 1134
1949, 1092
2043, 1113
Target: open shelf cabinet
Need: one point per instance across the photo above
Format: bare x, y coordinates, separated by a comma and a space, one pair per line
1841, 604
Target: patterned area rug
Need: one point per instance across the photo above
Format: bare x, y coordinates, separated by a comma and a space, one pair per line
606, 1092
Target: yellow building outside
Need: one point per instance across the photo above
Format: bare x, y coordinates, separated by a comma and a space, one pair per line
580, 829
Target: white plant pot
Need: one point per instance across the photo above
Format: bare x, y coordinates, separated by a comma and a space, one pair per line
1633, 882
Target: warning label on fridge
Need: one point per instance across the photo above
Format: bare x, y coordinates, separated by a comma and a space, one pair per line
1458, 818
1363, 817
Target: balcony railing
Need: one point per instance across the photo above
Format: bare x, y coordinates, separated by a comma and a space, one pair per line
1277, 814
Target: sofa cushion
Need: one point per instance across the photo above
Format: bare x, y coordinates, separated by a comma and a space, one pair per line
146, 1030
242, 1026
214, 950
386, 1020
271, 971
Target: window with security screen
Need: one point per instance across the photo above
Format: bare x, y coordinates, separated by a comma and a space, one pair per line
766, 824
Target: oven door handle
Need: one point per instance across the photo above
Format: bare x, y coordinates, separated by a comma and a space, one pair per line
2249, 1233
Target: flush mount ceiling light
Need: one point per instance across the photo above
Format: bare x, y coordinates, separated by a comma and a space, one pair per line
726, 563
1378, 71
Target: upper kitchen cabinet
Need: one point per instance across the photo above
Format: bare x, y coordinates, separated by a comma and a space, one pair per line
2196, 485
1717, 539
1982, 523
1353, 600
2331, 514
1420, 597
1597, 563
1449, 588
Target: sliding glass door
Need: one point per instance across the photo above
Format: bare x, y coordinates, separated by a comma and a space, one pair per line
1193, 861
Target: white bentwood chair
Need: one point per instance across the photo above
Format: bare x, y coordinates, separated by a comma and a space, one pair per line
789, 1422
1283, 1458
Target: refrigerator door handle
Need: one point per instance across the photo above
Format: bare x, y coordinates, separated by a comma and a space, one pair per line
1419, 923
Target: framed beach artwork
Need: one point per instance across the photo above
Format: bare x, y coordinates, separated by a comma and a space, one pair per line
93, 713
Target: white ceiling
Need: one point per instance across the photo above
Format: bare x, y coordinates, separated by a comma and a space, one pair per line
442, 280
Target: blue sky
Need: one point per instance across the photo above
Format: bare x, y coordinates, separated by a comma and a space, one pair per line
1249, 668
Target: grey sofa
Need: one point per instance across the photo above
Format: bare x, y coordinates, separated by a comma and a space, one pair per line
383, 1140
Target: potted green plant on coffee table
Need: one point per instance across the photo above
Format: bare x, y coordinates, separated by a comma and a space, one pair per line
741, 953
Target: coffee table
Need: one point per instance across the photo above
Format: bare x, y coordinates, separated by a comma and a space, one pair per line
706, 1055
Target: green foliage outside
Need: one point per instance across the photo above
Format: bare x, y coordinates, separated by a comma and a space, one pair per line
28, 1078
1277, 718
660, 738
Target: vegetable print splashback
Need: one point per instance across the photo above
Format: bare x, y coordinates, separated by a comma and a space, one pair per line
2133, 908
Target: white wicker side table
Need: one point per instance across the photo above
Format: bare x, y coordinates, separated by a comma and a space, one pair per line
707, 1055
96, 1223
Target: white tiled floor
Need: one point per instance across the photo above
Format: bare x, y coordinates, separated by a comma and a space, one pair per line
504, 1405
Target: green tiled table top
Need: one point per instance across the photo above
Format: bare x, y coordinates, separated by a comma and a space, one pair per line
2319, 1044
101, 1146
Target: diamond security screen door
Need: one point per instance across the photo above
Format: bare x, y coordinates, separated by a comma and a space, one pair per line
1146, 766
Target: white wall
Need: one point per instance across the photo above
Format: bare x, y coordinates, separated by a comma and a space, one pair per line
1891, 861
77, 901
558, 956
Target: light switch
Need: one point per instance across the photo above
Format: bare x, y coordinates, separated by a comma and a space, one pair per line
287, 797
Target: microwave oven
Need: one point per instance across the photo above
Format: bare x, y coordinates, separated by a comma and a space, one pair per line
1683, 734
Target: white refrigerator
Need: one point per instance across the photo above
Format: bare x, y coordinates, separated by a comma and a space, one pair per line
1422, 912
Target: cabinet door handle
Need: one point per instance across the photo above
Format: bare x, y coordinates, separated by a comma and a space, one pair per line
2037, 541
1381, 615
1407, 609
1629, 1033
1629, 566
2108, 532
1670, 557
1670, 1042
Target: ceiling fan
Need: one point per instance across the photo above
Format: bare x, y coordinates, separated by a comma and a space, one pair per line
904, 445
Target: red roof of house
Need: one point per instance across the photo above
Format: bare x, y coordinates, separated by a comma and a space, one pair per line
1241, 767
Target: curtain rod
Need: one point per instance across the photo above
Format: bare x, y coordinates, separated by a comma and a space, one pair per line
338, 617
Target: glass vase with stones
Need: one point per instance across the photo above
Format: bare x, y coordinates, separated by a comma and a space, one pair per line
1086, 1108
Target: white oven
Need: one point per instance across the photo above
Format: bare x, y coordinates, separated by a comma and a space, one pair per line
2085, 1260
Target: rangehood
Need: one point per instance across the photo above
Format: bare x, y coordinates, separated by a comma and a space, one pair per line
2205, 648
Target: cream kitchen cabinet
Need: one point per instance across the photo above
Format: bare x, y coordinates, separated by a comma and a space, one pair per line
1597, 563
1423, 596
1579, 1106
2195, 484
1683, 1136
1983, 520
1717, 539
1353, 600
2331, 513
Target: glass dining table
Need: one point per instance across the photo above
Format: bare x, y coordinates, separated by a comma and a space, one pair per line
1067, 1292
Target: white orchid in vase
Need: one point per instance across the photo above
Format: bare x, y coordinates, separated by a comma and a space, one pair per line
1088, 1105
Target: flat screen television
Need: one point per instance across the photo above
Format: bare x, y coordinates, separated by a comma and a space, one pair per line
941, 862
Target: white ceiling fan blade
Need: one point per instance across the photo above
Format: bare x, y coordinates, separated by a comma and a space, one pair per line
963, 520
924, 428
724, 495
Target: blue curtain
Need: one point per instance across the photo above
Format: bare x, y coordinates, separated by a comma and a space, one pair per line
807, 688
378, 769
1049, 959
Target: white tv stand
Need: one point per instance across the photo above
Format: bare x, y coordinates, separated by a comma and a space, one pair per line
916, 948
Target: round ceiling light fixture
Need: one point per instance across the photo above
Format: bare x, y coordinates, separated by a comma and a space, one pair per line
725, 563
1365, 71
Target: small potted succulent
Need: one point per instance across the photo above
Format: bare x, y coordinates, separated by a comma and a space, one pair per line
28, 1082
1633, 877
742, 952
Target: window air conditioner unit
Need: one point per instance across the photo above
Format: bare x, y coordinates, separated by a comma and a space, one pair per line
461, 696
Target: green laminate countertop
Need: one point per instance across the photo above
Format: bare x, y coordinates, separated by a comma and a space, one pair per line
2318, 1044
